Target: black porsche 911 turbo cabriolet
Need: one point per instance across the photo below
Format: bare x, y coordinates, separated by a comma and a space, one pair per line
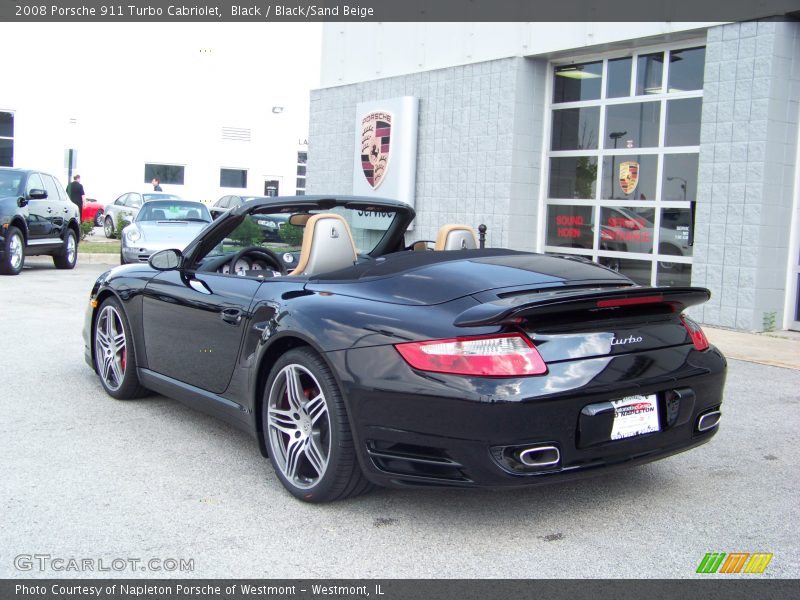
355, 359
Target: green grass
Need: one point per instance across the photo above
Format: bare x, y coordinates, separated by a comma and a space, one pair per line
109, 247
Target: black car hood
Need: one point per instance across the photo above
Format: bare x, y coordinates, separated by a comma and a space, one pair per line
423, 278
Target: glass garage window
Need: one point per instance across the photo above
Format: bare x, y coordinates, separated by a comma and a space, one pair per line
686, 69
622, 162
573, 177
632, 125
570, 226
683, 122
578, 82
575, 128
630, 176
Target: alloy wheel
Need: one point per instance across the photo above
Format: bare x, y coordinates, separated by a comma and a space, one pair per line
72, 248
108, 227
110, 348
15, 248
299, 426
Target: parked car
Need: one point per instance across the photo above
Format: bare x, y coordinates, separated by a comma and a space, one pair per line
162, 224
372, 363
127, 206
270, 228
93, 211
36, 217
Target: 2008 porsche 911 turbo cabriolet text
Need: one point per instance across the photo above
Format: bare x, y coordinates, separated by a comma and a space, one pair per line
355, 360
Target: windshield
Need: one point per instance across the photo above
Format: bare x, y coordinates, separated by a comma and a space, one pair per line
178, 210
274, 230
10, 183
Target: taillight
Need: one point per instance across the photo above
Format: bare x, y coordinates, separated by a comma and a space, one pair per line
699, 338
507, 355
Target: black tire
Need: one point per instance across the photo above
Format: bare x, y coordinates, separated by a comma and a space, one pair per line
109, 229
67, 257
98, 218
115, 365
310, 446
13, 252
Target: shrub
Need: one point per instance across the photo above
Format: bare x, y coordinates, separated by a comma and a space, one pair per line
291, 234
87, 229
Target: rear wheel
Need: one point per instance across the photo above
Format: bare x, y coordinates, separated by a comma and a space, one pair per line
114, 354
13, 252
68, 255
307, 432
108, 227
98, 218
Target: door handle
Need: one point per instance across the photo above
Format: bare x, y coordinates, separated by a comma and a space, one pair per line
231, 315
66, 209
49, 209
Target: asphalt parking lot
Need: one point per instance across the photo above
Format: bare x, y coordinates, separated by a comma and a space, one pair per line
84, 476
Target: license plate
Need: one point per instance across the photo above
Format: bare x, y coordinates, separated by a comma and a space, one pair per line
635, 415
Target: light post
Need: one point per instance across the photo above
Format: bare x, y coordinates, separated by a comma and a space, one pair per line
614, 135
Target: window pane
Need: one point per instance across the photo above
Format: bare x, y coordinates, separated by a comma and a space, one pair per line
233, 178
302, 157
578, 82
301, 169
673, 274
172, 174
626, 229
6, 153
674, 233
686, 69
649, 71
683, 122
629, 177
632, 125
570, 226
573, 177
680, 177
638, 270
575, 128
6, 124
619, 78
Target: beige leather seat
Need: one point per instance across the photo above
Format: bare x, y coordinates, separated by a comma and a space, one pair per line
327, 245
456, 237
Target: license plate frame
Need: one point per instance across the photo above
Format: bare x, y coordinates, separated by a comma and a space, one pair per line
635, 416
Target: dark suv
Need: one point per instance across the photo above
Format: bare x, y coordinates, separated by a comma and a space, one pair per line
36, 217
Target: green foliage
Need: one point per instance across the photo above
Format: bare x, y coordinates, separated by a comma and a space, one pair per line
291, 234
121, 224
769, 321
87, 229
247, 234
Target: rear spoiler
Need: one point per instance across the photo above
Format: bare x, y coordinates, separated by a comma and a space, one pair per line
548, 302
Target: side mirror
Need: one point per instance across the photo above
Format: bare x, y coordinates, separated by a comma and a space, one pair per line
36, 194
22, 202
166, 260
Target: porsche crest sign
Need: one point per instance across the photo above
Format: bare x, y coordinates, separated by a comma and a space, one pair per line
628, 176
376, 130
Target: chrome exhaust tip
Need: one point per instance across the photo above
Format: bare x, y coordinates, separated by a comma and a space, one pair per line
540, 456
708, 420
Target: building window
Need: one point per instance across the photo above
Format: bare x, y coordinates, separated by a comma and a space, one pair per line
169, 174
233, 178
622, 162
6, 139
300, 185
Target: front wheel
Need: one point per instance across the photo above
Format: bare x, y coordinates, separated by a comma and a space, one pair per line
114, 354
108, 227
307, 432
68, 256
13, 252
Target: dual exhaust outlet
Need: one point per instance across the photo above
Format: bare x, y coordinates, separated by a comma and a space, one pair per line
541, 457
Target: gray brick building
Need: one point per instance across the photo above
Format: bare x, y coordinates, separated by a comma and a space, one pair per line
669, 152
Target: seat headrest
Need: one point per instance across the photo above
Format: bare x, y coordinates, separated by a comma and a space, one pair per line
159, 215
327, 245
456, 237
